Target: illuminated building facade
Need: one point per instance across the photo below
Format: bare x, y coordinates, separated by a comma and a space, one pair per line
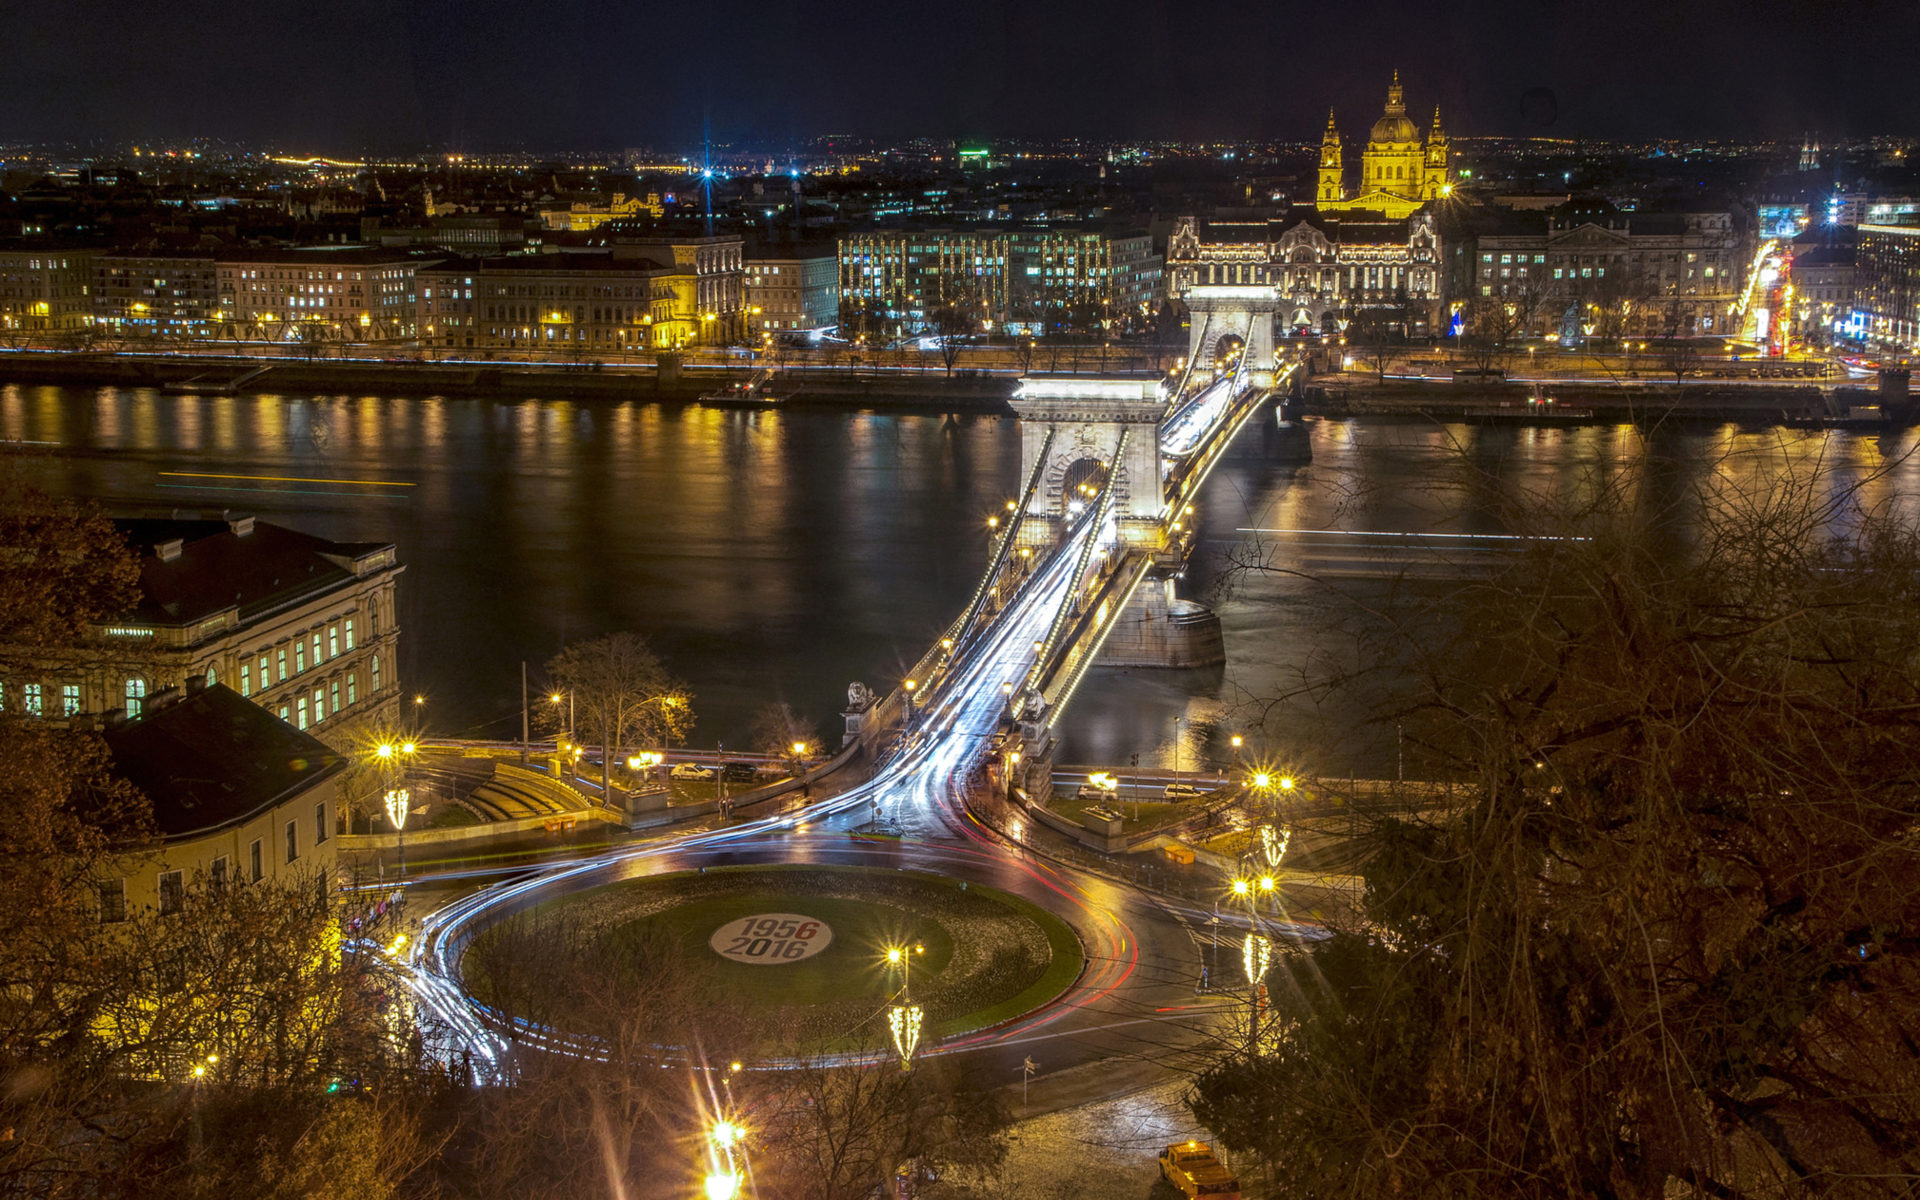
794, 292
702, 301
1400, 170
1329, 269
1886, 300
237, 797
581, 216
304, 627
584, 304
162, 295
1587, 263
1025, 280
44, 289
351, 294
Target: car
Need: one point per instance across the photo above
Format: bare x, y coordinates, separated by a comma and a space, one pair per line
737, 772
1191, 1167
1183, 791
689, 770
1100, 786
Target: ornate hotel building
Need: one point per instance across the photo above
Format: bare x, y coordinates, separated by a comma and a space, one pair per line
1365, 254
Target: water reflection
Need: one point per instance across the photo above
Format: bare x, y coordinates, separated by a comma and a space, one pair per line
780, 555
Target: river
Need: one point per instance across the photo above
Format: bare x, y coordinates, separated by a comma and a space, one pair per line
780, 555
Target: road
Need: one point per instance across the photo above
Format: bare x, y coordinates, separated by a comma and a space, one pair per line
1135, 1001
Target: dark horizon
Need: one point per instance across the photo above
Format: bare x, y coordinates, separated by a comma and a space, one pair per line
380, 77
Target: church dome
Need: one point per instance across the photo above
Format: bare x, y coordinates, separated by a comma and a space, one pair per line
1393, 125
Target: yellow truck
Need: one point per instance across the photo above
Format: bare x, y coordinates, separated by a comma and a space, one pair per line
1191, 1167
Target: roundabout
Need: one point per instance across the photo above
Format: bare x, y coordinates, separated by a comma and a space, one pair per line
815, 951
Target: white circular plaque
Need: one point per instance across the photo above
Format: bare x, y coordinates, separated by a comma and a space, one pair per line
771, 939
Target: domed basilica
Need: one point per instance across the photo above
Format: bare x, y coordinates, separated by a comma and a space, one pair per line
1371, 253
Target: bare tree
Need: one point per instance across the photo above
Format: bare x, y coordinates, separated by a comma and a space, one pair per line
1664, 945
621, 690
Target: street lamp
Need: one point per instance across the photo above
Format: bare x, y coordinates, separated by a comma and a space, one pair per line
909, 685
1256, 954
398, 802
904, 1021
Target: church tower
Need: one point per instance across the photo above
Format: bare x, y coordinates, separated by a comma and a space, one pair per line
1333, 187
1436, 184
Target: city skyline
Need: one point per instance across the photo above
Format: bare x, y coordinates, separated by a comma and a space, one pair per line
431, 73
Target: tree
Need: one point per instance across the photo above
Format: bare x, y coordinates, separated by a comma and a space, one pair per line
64, 568
620, 690
1666, 946
952, 326
841, 1133
781, 733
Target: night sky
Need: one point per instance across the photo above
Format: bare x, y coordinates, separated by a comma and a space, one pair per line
485, 74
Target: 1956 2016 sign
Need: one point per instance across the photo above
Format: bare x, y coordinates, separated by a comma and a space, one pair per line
770, 939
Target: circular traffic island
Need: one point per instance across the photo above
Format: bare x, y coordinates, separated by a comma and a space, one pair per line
812, 956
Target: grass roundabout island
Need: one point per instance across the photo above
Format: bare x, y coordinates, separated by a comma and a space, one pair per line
798, 949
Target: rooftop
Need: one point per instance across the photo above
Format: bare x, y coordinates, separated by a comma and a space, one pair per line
212, 758
252, 565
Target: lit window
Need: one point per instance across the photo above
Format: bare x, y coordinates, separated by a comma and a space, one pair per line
299, 657
300, 708
246, 679
282, 654
136, 692
33, 699
172, 893
376, 674
353, 679
69, 699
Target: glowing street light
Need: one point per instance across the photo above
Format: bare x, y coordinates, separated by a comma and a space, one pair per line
1256, 954
904, 1021
722, 1185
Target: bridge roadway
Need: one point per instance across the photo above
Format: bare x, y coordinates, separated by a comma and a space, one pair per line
1134, 1001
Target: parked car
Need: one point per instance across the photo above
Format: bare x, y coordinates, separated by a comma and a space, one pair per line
737, 772
691, 771
1183, 791
1191, 1167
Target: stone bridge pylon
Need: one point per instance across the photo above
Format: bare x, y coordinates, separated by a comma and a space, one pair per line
1241, 312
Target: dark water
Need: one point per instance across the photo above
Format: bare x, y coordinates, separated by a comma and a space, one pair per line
777, 556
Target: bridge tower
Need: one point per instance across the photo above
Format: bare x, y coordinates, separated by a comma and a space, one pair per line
1087, 416
1243, 312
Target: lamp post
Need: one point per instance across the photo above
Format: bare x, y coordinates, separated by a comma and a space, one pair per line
723, 1167
909, 685
398, 801
904, 1017
1256, 954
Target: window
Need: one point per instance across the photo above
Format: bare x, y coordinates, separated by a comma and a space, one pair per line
319, 823
264, 680
172, 893
317, 660
113, 900
253, 855
300, 707
376, 675
353, 680
246, 679
373, 620
282, 653
333, 697
69, 699
333, 641
213, 675
136, 692
217, 872
319, 706
283, 712
299, 657
293, 840
33, 699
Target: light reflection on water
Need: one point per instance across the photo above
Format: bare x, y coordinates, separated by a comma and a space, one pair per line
781, 555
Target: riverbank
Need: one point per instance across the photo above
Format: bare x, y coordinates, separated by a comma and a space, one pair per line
1577, 402
816, 387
